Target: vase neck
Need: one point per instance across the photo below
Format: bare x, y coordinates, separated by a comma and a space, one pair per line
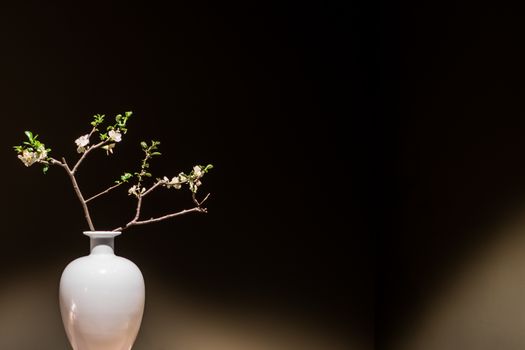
102, 242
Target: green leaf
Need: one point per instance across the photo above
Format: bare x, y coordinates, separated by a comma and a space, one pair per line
144, 144
29, 135
45, 169
125, 177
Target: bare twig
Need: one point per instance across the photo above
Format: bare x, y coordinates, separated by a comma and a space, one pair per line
53, 161
92, 131
79, 194
194, 197
139, 207
169, 216
157, 184
104, 192
165, 217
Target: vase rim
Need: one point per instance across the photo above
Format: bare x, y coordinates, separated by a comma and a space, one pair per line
102, 234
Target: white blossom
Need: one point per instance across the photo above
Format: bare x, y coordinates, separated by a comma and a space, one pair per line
175, 182
109, 148
28, 157
136, 190
194, 179
197, 171
82, 142
41, 153
115, 135
194, 185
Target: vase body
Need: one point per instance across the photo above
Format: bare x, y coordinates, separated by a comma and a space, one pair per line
101, 297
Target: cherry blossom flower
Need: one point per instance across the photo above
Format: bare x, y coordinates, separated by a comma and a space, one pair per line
115, 135
136, 190
28, 157
82, 142
197, 171
41, 153
175, 182
194, 185
109, 148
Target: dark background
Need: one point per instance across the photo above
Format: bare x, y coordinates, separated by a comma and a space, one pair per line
279, 96
452, 164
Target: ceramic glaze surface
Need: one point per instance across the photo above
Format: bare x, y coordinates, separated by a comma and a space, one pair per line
101, 298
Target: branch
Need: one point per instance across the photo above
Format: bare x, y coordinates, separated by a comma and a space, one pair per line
157, 184
139, 201
135, 222
137, 212
194, 197
98, 145
77, 191
104, 192
53, 161
169, 216
92, 131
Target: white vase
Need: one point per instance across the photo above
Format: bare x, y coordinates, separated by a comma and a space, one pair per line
101, 297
